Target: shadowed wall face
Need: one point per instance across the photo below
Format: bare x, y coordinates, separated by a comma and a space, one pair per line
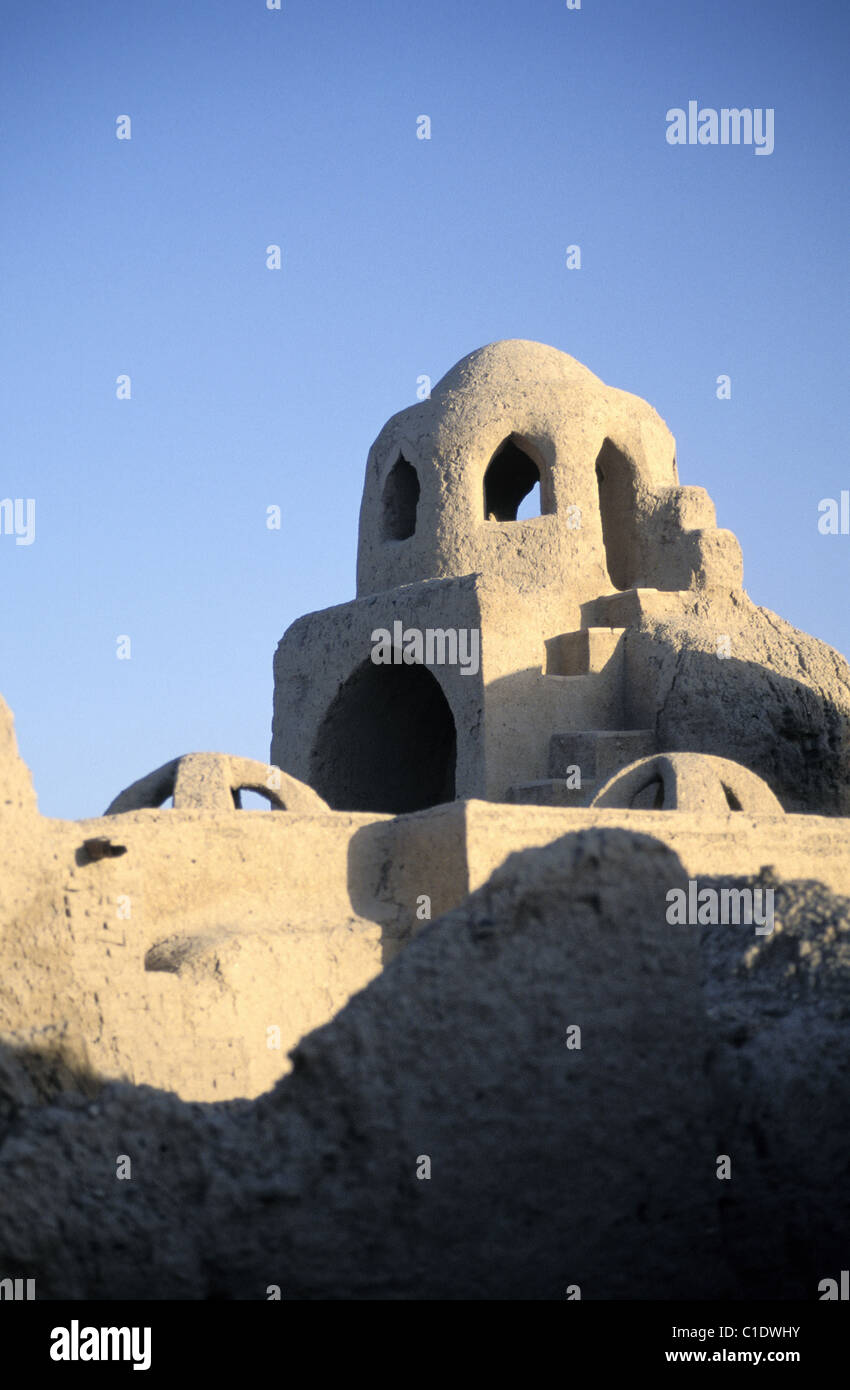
617, 509
387, 743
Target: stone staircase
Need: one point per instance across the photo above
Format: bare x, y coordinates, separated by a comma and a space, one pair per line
627, 607
587, 666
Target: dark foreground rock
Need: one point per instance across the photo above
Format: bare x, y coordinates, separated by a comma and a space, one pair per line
551, 1165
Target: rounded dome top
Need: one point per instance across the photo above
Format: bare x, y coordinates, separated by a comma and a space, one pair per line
511, 420
510, 362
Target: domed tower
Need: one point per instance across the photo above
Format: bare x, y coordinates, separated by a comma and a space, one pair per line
517, 673
445, 479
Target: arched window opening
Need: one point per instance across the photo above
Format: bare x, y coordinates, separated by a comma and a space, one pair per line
400, 500
650, 797
253, 799
511, 477
615, 479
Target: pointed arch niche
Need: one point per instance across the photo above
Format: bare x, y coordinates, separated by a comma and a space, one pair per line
615, 479
399, 501
515, 483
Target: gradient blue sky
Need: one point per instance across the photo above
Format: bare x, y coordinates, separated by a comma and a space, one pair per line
253, 387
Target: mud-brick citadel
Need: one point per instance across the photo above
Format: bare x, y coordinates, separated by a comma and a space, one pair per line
455, 843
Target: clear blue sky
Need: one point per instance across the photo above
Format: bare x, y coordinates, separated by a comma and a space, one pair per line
252, 387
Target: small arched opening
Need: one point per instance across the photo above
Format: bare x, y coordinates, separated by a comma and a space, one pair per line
649, 797
387, 742
512, 481
254, 797
399, 502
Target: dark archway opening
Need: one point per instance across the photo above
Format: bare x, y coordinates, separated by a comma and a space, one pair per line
387, 743
617, 507
511, 475
400, 500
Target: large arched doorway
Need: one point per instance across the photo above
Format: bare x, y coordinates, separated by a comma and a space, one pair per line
387, 742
